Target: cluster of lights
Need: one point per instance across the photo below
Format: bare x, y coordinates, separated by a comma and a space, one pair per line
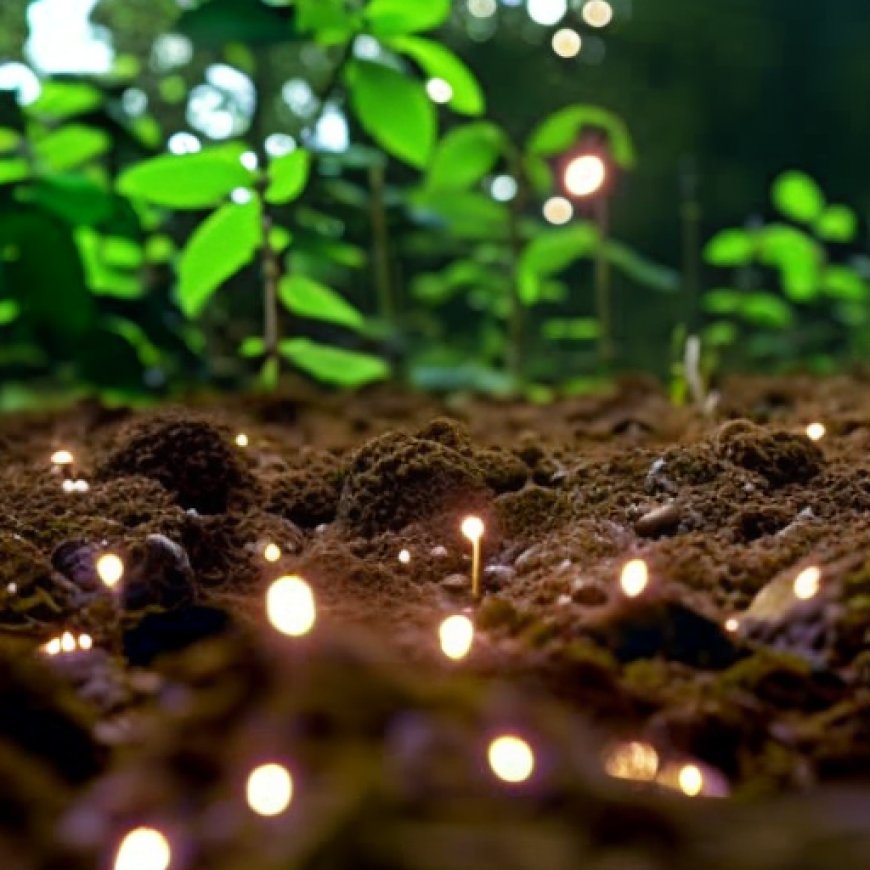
68, 643
290, 606
75, 486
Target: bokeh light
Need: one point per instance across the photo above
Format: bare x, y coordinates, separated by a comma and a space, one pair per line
482, 8
808, 583
634, 760
456, 635
503, 188
816, 431
110, 569
547, 12
269, 789
634, 578
511, 758
691, 780
439, 91
290, 606
598, 13
585, 175
143, 849
567, 42
473, 528
558, 210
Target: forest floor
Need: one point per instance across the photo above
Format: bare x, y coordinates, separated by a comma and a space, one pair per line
718, 667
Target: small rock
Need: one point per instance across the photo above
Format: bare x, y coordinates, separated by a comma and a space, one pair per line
438, 552
497, 576
161, 575
456, 583
659, 521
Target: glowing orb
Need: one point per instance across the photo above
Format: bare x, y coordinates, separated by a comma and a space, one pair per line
110, 569
558, 210
598, 13
439, 91
143, 849
271, 552
242, 440
290, 606
634, 577
269, 789
511, 758
404, 557
567, 43
456, 634
473, 528
691, 780
62, 457
585, 175
807, 583
816, 431
634, 760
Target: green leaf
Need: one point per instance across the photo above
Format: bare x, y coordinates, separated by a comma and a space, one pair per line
439, 62
333, 365
71, 146
841, 282
798, 258
14, 169
188, 181
640, 269
149, 354
309, 298
552, 252
722, 301
329, 21
61, 100
224, 243
288, 176
464, 156
159, 249
561, 132
392, 17
394, 110
74, 198
466, 214
9, 139
9, 311
572, 329
733, 247
103, 277
721, 333
252, 347
798, 197
767, 310
837, 223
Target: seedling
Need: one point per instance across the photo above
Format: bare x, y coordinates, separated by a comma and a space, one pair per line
473, 529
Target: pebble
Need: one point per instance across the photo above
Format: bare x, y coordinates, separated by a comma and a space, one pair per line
497, 576
658, 521
438, 552
456, 583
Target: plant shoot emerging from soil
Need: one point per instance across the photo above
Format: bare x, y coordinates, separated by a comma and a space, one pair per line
269, 789
473, 529
290, 606
511, 758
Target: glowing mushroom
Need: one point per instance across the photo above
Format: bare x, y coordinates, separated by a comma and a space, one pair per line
473, 529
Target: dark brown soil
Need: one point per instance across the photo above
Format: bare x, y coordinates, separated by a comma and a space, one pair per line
188, 687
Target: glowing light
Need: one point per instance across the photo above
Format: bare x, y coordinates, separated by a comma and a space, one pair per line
22, 79
634, 577
62, 457
12, 588
53, 646
547, 12
585, 175
511, 758
558, 210
567, 42
439, 91
241, 196
67, 642
68, 486
269, 789
279, 144
808, 583
242, 440
473, 528
732, 624
249, 160
171, 50
633, 760
64, 40
598, 13
482, 8
184, 143
456, 634
85, 641
332, 133
816, 431
504, 188
143, 849
691, 780
110, 569
222, 107
290, 606
405, 557
271, 552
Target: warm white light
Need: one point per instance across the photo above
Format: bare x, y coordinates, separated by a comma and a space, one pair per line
691, 780
143, 849
85, 641
598, 13
511, 758
503, 188
633, 760
732, 624
472, 528
271, 552
68, 486
439, 91
456, 634
242, 440
585, 175
110, 569
405, 557
81, 486
53, 646
567, 42
269, 789
279, 144
67, 642
290, 606
547, 12
634, 577
482, 8
816, 431
183, 143
62, 457
241, 196
558, 211
249, 160
808, 583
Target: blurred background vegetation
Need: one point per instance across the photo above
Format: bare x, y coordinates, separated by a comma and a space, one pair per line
719, 98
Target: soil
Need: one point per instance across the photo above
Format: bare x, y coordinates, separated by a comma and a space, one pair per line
717, 665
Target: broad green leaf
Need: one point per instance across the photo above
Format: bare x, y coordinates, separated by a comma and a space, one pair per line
122, 253
439, 62
74, 198
333, 365
767, 310
188, 181
159, 249
9, 311
466, 214
309, 298
553, 250
572, 329
102, 277
394, 110
225, 242
733, 247
14, 169
637, 267
62, 100
391, 17
721, 333
71, 146
722, 301
9, 139
279, 239
841, 282
562, 130
539, 173
798, 197
798, 258
288, 176
252, 347
837, 223
464, 156
329, 21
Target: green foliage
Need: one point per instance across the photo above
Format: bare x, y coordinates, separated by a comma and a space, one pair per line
393, 17
798, 197
464, 156
309, 298
333, 365
288, 176
71, 146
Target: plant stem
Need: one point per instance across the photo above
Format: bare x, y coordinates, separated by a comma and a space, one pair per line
603, 283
